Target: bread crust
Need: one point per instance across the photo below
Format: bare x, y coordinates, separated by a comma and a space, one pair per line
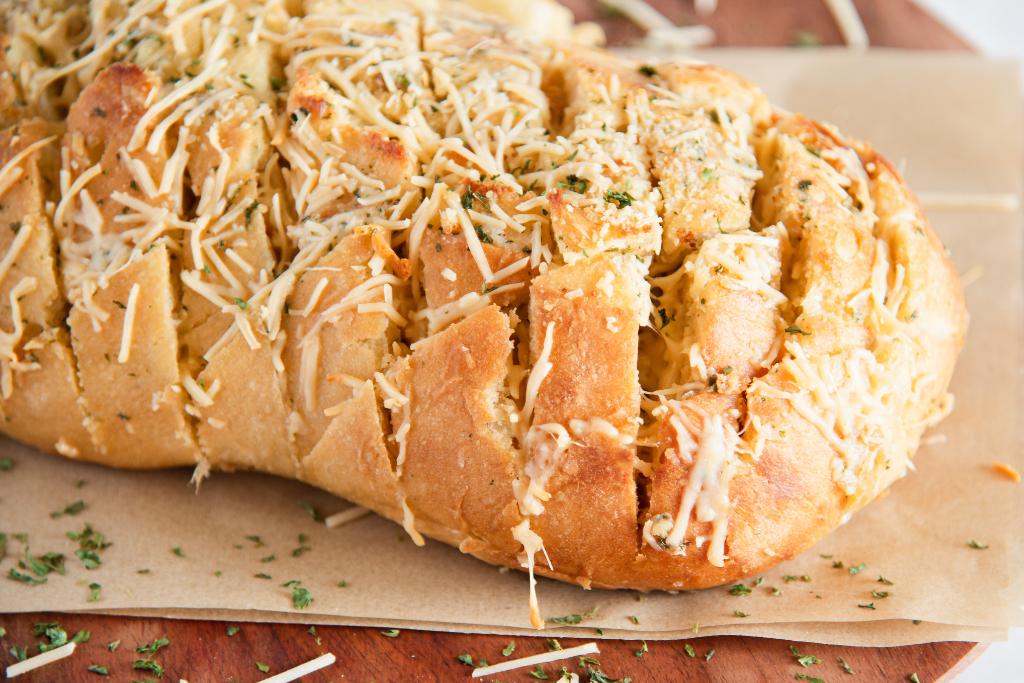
543, 304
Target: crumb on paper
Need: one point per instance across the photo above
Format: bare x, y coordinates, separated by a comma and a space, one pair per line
1008, 471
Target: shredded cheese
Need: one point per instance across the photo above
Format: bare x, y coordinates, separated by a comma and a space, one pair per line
12, 170
538, 373
295, 673
346, 516
129, 324
43, 659
537, 660
849, 22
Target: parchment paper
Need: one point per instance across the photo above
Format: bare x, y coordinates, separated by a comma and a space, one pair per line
956, 121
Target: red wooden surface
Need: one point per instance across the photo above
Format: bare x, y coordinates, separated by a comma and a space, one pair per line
202, 651
763, 23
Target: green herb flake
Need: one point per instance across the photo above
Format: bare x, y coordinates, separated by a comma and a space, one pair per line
806, 39
620, 199
553, 645
94, 592
573, 619
311, 511
708, 174
880, 595
264, 668
466, 659
884, 581
41, 565
70, 509
857, 569
19, 653
803, 660
148, 665
739, 589
241, 303
742, 615
154, 647
178, 551
868, 605
250, 210
793, 329
390, 633
643, 649
648, 70
508, 649
483, 237
97, 669
913, 678
52, 632
810, 679
470, 196
709, 654
845, 666
6, 464
635, 620
15, 575
977, 545
113, 645
301, 597
575, 183
690, 652
539, 673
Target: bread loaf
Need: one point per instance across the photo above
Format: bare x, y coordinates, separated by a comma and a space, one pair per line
623, 324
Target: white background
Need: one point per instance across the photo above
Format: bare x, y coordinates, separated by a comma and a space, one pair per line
996, 29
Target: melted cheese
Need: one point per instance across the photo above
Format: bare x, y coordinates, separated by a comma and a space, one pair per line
710, 451
546, 445
532, 544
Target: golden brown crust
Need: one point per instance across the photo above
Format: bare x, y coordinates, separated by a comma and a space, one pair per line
344, 347
593, 375
42, 404
459, 431
351, 459
136, 415
235, 431
308, 235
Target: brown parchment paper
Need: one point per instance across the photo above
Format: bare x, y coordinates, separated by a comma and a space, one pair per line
955, 120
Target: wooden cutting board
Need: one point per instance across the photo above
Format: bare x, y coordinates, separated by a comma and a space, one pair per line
201, 651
